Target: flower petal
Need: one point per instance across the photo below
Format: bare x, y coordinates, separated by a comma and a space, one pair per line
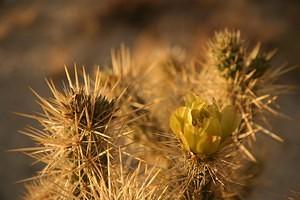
230, 120
207, 144
214, 127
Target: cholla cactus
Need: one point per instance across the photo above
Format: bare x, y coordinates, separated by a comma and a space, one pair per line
79, 129
100, 138
230, 75
252, 86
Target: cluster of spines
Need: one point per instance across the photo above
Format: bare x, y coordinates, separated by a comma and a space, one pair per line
75, 140
253, 88
226, 52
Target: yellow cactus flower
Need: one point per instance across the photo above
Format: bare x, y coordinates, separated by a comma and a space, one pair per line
202, 127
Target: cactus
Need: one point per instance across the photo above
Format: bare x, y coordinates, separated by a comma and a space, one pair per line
170, 128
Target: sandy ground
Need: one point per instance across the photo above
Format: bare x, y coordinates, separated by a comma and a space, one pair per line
38, 38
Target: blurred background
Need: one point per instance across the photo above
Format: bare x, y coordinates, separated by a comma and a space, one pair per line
38, 37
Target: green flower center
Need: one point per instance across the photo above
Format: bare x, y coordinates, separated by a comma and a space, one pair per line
199, 117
